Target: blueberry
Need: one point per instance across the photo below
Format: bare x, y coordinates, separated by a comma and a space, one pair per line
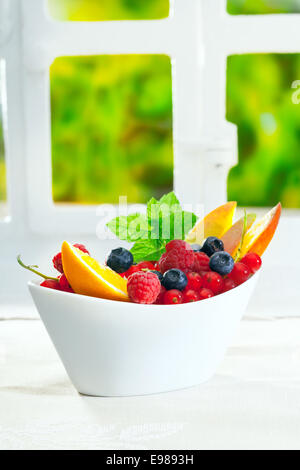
221, 262
174, 279
212, 245
196, 247
120, 260
158, 274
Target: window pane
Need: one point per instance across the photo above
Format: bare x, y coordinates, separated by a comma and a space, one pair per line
3, 198
253, 7
99, 10
260, 101
111, 128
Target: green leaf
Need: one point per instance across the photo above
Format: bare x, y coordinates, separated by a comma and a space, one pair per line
150, 250
130, 228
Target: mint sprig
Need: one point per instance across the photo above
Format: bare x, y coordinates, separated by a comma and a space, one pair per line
165, 220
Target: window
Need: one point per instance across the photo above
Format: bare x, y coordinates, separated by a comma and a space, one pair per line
95, 10
111, 128
255, 7
3, 193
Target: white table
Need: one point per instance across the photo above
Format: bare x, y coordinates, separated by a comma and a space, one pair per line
253, 402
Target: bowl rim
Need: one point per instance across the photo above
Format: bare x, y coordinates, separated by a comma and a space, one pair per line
34, 284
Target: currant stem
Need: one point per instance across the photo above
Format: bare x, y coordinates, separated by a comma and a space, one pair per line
31, 268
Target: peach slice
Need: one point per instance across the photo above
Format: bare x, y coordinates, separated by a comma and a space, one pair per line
233, 237
261, 233
215, 224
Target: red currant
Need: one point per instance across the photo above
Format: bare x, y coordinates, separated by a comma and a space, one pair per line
194, 281
133, 269
213, 281
240, 273
173, 297
160, 298
146, 265
252, 261
228, 284
51, 284
206, 294
190, 295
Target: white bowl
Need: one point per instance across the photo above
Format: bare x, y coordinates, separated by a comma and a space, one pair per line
114, 348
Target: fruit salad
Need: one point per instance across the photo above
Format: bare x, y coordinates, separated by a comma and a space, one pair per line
212, 256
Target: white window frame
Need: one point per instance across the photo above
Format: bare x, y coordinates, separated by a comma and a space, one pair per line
198, 35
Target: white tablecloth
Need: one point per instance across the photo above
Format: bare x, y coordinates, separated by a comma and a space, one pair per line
252, 403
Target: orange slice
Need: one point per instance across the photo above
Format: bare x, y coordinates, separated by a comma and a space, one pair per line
261, 233
215, 224
233, 237
88, 277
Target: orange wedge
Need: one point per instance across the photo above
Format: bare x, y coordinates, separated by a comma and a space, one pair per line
261, 233
215, 224
88, 277
233, 237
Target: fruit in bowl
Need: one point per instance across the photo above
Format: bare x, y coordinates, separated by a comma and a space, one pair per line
159, 315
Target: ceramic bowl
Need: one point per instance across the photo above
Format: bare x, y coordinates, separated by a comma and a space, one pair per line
114, 348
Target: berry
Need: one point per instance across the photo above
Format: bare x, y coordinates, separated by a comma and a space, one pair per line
64, 284
206, 294
221, 262
175, 279
133, 269
57, 263
179, 258
146, 265
190, 295
57, 259
160, 298
173, 297
201, 262
120, 260
143, 287
240, 273
177, 244
158, 274
81, 248
211, 245
194, 281
252, 261
51, 284
228, 284
196, 247
213, 281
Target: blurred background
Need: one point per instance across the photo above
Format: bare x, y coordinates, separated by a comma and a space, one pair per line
112, 116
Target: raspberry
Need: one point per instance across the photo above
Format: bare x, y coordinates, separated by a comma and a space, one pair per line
178, 244
213, 281
172, 297
252, 261
160, 298
194, 281
51, 284
206, 294
57, 261
82, 248
143, 287
146, 265
240, 273
228, 285
201, 263
64, 284
190, 295
179, 258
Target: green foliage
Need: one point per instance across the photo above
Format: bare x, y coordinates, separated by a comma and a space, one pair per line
164, 221
248, 7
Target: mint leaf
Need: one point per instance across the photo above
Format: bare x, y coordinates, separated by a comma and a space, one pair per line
147, 250
129, 228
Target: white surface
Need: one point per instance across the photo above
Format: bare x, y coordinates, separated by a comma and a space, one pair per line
114, 348
253, 402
